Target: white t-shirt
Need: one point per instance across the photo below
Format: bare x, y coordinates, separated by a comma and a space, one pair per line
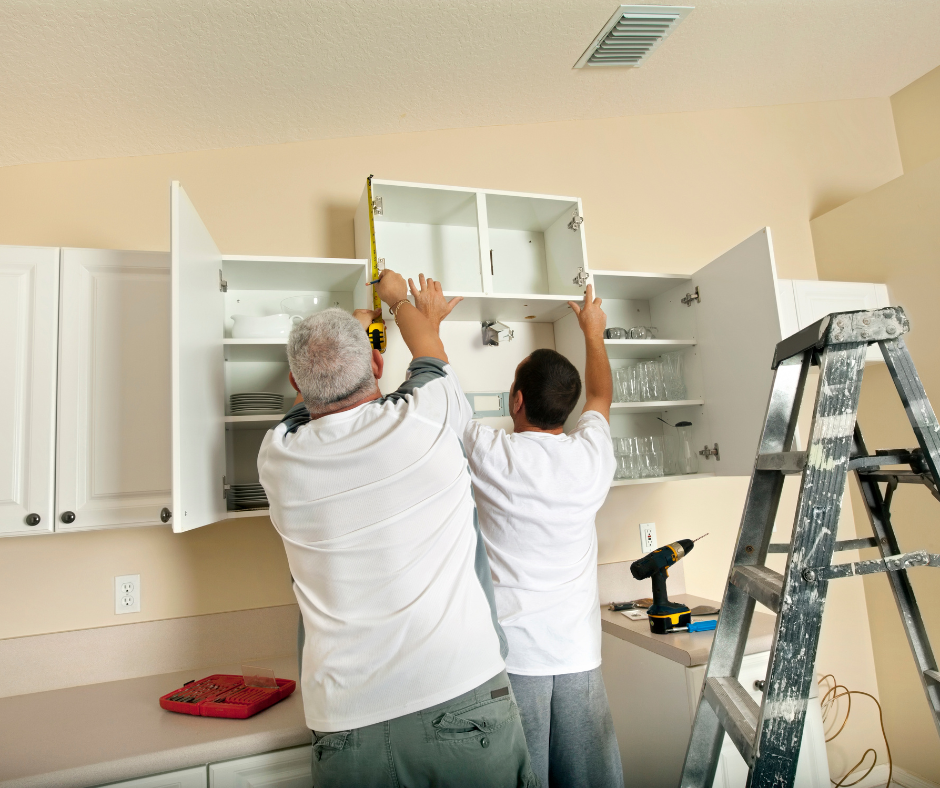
537, 495
375, 509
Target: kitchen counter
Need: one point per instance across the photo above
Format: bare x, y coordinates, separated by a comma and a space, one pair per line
688, 649
101, 733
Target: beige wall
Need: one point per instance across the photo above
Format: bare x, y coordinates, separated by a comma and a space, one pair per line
892, 235
661, 193
917, 119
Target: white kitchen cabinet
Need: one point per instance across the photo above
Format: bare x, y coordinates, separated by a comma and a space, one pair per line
29, 296
513, 256
185, 778
804, 301
726, 336
281, 769
668, 694
113, 432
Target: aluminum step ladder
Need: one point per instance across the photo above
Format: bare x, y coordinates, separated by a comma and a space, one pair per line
769, 736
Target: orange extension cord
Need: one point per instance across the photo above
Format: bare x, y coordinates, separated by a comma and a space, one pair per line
828, 702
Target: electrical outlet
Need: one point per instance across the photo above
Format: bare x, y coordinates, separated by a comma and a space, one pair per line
127, 594
648, 537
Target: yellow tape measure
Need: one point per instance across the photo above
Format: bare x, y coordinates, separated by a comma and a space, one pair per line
376, 331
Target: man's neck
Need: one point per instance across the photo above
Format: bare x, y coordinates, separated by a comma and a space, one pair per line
526, 427
368, 398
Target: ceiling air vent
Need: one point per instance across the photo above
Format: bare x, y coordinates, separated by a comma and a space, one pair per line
631, 35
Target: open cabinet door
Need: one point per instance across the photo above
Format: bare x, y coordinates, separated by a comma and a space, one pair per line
738, 327
197, 370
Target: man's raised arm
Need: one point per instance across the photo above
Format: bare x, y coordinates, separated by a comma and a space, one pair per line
419, 327
598, 382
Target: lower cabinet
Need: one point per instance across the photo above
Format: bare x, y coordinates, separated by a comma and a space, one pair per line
186, 778
653, 701
281, 769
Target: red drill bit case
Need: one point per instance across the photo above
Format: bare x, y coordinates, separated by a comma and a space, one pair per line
221, 695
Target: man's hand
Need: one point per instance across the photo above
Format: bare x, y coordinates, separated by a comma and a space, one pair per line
430, 301
392, 287
367, 317
591, 317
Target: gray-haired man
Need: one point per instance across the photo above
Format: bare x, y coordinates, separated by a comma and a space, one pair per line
403, 675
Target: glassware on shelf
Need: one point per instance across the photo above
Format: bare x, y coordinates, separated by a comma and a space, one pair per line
621, 382
687, 458
655, 457
673, 384
670, 451
643, 332
650, 377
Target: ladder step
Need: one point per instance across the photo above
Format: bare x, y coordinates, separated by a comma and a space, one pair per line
783, 461
737, 712
932, 674
760, 582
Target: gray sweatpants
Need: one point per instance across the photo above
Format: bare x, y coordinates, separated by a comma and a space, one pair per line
569, 730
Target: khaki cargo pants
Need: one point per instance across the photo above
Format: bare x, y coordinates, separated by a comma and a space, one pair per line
473, 740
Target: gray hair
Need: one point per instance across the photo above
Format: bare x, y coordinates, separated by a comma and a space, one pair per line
331, 359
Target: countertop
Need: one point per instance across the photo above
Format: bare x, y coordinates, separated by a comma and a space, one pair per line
686, 648
101, 733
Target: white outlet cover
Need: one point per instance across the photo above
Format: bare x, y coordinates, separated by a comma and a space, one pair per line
648, 541
126, 594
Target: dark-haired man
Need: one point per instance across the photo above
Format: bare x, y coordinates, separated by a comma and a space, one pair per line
537, 492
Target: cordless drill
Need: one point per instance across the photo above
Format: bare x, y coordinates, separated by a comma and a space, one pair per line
664, 615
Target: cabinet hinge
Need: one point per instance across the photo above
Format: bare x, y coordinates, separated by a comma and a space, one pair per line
690, 297
709, 453
223, 285
576, 221
225, 489
580, 278
495, 332
377, 206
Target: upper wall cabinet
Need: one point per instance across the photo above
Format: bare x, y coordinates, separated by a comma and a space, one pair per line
29, 295
212, 448
113, 433
724, 321
513, 256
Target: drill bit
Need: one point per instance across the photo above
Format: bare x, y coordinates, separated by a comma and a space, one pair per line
701, 537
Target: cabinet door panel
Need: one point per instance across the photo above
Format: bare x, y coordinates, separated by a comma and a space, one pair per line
737, 328
185, 778
197, 369
281, 769
113, 437
29, 282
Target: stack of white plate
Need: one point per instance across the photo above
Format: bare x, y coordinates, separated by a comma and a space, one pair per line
248, 496
256, 402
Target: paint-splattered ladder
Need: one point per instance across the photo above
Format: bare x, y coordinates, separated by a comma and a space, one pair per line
768, 736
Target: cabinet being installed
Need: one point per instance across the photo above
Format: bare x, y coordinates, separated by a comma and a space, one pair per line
116, 411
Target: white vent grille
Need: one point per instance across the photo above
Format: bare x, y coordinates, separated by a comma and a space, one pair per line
632, 34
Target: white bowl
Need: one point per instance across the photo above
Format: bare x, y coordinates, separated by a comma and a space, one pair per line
267, 327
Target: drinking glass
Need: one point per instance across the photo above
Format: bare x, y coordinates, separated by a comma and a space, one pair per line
644, 460
673, 384
671, 465
631, 458
643, 332
655, 461
651, 381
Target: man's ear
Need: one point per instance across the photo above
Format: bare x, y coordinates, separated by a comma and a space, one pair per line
290, 377
515, 402
378, 364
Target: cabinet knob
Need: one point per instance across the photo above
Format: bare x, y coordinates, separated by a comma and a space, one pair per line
68, 517
33, 519
165, 515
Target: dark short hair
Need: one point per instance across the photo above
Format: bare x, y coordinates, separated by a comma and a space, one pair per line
550, 387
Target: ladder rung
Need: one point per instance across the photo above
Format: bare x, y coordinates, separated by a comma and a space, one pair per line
737, 712
847, 544
783, 461
932, 674
760, 582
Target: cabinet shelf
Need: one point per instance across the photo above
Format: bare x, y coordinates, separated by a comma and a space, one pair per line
645, 348
621, 408
255, 349
633, 285
511, 308
252, 422
656, 479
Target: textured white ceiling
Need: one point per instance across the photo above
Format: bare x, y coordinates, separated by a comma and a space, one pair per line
86, 79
